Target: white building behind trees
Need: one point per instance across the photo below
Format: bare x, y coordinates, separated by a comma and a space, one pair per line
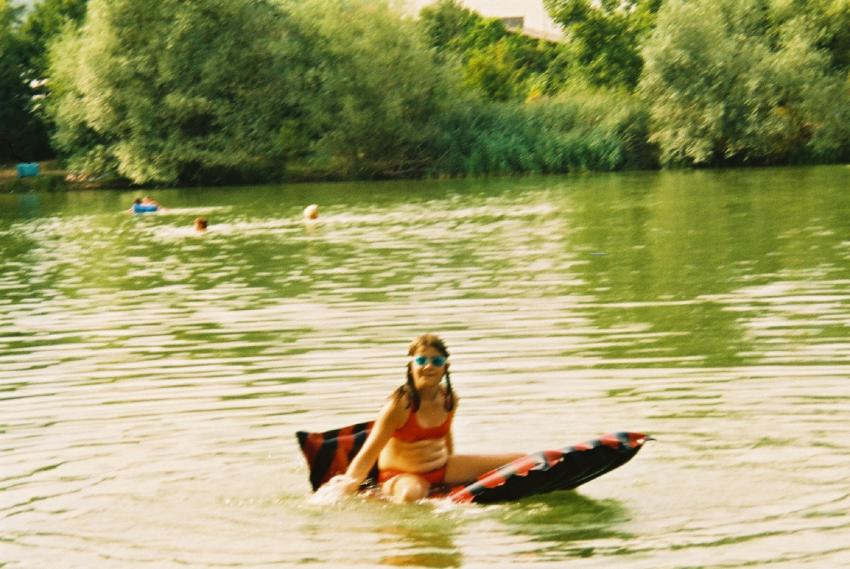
529, 15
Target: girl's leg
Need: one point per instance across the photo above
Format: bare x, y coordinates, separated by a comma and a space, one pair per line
406, 488
467, 467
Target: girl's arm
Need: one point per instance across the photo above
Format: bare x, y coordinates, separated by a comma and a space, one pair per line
389, 419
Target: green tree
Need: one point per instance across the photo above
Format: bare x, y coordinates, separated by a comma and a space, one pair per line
22, 135
606, 36
449, 27
495, 72
494, 61
374, 90
161, 91
39, 26
828, 22
732, 81
45, 21
12, 91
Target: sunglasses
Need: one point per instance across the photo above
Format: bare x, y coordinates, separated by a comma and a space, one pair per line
436, 361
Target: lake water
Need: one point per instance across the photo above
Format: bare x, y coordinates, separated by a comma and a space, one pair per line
152, 379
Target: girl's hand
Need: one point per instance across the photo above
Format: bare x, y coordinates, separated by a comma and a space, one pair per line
345, 482
335, 490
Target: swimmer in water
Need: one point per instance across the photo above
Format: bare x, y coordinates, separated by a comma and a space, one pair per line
311, 212
140, 206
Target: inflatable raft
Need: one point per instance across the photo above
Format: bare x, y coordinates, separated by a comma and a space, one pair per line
329, 453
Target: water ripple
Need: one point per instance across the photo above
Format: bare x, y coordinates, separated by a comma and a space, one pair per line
151, 378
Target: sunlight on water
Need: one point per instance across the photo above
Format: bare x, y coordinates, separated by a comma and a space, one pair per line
152, 378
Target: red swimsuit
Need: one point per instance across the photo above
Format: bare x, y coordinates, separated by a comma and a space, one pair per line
411, 432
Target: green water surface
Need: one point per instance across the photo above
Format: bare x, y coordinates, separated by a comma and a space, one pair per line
151, 378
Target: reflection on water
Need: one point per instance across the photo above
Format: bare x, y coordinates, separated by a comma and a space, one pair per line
421, 542
565, 524
151, 378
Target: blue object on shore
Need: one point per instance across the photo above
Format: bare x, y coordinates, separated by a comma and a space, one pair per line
27, 169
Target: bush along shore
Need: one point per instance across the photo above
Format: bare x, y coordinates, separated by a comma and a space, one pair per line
164, 92
51, 177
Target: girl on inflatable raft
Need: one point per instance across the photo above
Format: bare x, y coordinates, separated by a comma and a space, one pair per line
412, 436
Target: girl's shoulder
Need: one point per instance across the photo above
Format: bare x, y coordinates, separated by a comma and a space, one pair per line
399, 403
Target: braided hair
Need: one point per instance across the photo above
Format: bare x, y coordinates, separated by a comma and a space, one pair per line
425, 341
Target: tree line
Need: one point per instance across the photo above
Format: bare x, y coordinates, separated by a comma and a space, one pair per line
224, 91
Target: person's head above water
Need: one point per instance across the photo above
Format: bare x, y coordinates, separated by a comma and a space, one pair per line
200, 224
311, 211
428, 364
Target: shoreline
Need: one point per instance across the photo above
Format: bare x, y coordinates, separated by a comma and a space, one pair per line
53, 178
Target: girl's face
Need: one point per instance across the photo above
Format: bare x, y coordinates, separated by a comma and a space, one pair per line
424, 365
